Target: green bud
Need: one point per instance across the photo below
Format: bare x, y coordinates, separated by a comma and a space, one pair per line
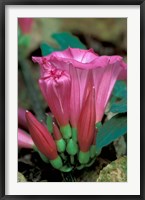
74, 134
66, 169
56, 163
90, 163
84, 157
80, 167
49, 123
61, 145
98, 152
72, 147
93, 151
66, 131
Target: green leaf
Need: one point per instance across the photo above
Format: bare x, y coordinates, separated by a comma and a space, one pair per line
66, 40
119, 107
46, 49
118, 102
120, 89
111, 130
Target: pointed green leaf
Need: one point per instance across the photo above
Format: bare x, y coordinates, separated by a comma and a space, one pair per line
118, 102
46, 49
66, 40
111, 130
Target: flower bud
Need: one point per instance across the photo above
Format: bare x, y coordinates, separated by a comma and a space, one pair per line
72, 147
41, 137
60, 143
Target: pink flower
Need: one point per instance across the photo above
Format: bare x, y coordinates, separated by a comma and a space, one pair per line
55, 87
24, 140
77, 63
41, 137
25, 24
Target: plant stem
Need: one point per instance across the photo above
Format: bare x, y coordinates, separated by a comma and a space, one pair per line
72, 160
63, 156
69, 177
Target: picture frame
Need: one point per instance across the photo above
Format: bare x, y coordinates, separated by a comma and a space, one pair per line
4, 88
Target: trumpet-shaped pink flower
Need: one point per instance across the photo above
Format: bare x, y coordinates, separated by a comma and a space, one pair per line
55, 88
25, 24
24, 140
41, 137
77, 62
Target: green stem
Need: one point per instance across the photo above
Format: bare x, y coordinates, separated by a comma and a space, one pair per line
72, 160
63, 156
69, 177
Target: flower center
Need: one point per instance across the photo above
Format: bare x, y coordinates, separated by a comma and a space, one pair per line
44, 60
56, 74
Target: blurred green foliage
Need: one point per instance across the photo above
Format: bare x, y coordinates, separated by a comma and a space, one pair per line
64, 41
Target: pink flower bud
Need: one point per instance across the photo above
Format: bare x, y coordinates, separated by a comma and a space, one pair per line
55, 88
24, 140
86, 123
56, 132
41, 137
25, 24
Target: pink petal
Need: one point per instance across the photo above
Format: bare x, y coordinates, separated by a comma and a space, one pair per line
123, 73
24, 139
107, 79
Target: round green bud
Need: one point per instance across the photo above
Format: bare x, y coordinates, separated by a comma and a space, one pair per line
61, 145
66, 131
98, 152
93, 151
84, 157
56, 163
72, 147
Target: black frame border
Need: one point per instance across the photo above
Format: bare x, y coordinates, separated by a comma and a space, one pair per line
4, 3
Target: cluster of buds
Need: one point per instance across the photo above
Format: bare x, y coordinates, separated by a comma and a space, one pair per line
76, 85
